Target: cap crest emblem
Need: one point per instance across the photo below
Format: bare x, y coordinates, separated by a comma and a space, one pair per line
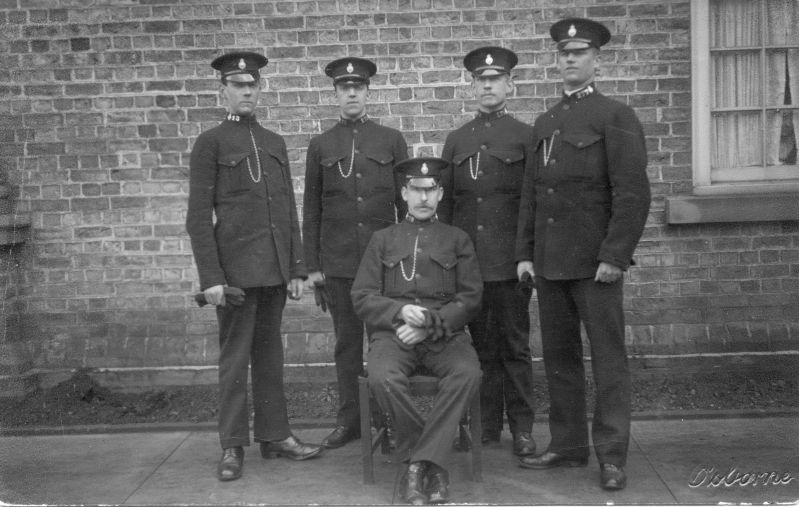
242, 64
489, 59
350, 68
425, 169
572, 31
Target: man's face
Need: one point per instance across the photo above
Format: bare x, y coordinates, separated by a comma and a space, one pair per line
351, 96
491, 91
422, 196
241, 98
577, 66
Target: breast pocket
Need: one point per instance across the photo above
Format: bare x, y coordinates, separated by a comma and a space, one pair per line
333, 170
393, 281
277, 167
511, 172
445, 264
582, 155
235, 172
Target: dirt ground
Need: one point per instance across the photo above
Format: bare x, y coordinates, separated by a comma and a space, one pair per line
81, 401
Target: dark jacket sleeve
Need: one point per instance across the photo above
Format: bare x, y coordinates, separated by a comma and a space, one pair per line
630, 193
400, 153
199, 217
525, 240
297, 267
312, 208
446, 204
466, 303
371, 306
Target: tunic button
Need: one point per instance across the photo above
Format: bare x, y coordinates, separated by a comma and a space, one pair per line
360, 224
358, 175
566, 107
357, 151
550, 191
579, 143
550, 220
480, 173
418, 276
417, 301
507, 160
488, 124
479, 199
360, 199
354, 131
553, 162
556, 132
479, 227
483, 147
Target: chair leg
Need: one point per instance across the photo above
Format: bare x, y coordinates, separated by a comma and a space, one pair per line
366, 431
476, 427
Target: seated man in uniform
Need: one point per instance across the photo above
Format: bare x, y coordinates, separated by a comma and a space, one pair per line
417, 286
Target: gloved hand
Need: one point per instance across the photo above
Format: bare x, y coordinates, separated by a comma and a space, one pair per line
233, 295
437, 329
526, 285
321, 295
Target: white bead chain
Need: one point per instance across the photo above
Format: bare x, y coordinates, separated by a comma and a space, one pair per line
257, 159
352, 162
548, 152
413, 269
474, 172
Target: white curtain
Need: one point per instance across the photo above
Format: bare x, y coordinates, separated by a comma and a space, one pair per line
738, 80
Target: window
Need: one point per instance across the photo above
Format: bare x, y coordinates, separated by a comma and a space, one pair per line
745, 68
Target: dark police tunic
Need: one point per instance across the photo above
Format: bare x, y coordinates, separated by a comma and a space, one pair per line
239, 172
482, 191
585, 200
439, 272
255, 241
350, 192
347, 199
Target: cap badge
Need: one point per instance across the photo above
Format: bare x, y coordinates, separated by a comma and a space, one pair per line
242, 64
489, 60
350, 68
424, 169
572, 31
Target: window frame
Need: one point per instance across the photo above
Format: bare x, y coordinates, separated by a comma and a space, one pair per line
701, 116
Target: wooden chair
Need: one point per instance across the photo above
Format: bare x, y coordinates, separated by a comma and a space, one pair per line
470, 438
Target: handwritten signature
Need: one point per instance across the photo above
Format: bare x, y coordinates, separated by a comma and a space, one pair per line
711, 477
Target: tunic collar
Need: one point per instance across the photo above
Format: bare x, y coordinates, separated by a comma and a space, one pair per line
413, 220
352, 123
582, 93
237, 118
493, 115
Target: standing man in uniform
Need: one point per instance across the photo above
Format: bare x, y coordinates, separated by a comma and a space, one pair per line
584, 205
249, 260
417, 287
482, 190
350, 193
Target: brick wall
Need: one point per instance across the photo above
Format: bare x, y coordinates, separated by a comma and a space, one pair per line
103, 101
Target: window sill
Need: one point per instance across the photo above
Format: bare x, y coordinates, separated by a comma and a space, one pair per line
732, 208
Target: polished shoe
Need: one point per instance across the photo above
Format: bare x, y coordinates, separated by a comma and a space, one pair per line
551, 460
437, 484
291, 447
229, 467
523, 444
340, 436
612, 477
413, 484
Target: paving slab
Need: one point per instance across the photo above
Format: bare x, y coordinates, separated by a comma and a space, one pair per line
666, 464
85, 469
724, 461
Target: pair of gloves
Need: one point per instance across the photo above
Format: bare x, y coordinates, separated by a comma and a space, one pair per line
233, 296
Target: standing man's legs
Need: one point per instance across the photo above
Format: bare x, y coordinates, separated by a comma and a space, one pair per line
236, 329
563, 362
486, 340
601, 308
511, 313
269, 400
348, 355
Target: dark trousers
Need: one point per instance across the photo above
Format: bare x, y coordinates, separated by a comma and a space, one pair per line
249, 335
455, 363
348, 352
501, 335
563, 305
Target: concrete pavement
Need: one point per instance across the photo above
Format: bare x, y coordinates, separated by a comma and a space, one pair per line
688, 461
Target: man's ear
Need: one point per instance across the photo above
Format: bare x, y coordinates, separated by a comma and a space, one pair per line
404, 192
